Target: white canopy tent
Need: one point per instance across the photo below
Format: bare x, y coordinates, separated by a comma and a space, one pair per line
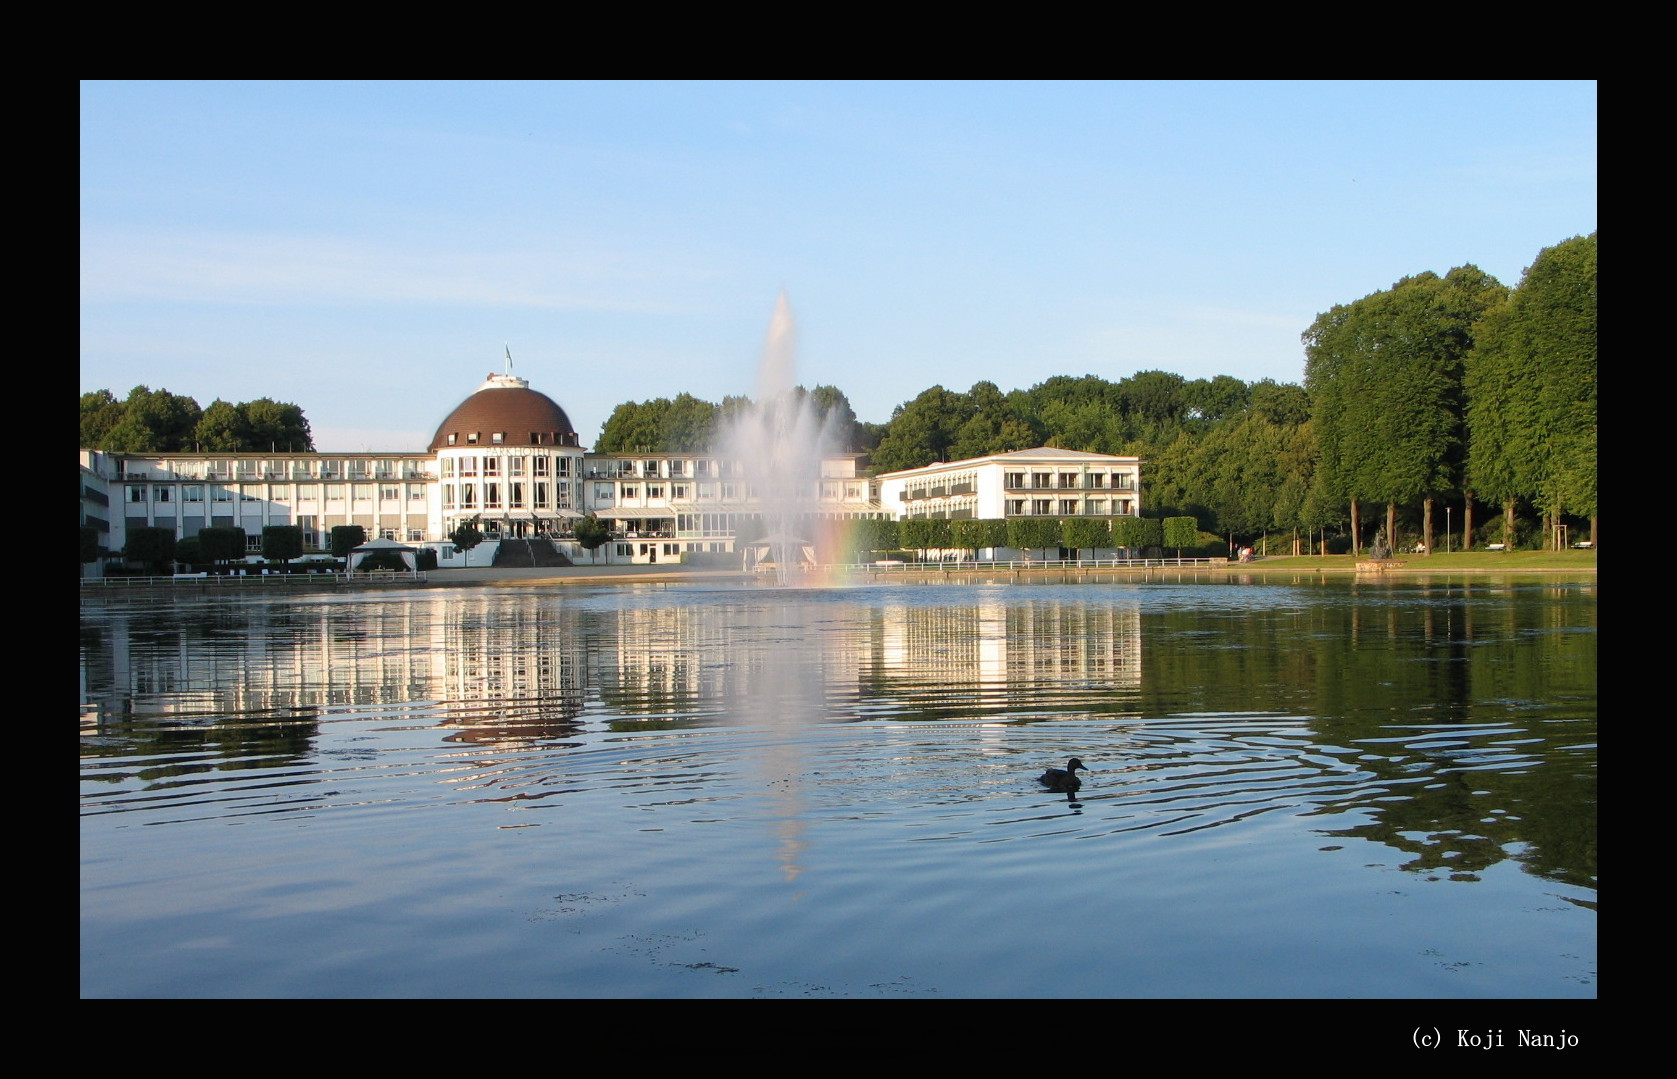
410, 555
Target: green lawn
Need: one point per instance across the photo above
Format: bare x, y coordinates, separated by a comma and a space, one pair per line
1508, 560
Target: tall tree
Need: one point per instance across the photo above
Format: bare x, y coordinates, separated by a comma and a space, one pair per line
1531, 386
1385, 378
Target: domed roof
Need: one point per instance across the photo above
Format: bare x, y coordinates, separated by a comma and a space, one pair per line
505, 411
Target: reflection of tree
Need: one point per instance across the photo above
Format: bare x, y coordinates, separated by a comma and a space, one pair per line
1490, 767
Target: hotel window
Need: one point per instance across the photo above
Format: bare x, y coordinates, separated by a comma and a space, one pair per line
250, 492
492, 495
1016, 507
1097, 480
468, 495
1097, 507
655, 491
468, 466
1042, 479
448, 467
452, 439
1068, 480
363, 492
515, 495
136, 493
221, 494
1124, 506
389, 492
308, 492
564, 466
631, 491
192, 492
448, 496
415, 535
678, 490
280, 492
160, 494
416, 492
334, 492
649, 468
1068, 507
357, 470
498, 437
540, 493
538, 465
491, 466
471, 439
602, 492
515, 466
678, 468
1042, 507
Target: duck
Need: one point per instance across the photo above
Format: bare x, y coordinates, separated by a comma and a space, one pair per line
1064, 779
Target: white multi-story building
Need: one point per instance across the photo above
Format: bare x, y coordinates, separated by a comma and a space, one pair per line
1044, 482
508, 459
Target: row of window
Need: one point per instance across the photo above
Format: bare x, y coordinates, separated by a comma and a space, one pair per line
499, 438
1069, 507
1066, 481
508, 466
489, 495
277, 492
281, 468
827, 490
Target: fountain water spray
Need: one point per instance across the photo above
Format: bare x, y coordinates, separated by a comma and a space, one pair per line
778, 442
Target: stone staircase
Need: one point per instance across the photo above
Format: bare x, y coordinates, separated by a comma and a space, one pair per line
529, 552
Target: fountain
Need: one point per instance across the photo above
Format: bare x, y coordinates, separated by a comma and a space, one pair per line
776, 444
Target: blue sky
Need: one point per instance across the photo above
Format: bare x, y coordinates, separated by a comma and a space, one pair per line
368, 250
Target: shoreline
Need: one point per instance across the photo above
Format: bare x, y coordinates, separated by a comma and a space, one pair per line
959, 572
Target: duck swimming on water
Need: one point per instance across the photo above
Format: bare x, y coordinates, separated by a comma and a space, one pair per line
1063, 779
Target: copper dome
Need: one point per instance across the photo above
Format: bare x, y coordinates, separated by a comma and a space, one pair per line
506, 407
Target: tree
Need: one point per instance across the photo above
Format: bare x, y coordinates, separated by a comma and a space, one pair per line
466, 536
926, 533
222, 427
922, 431
591, 533
974, 535
1085, 533
346, 538
282, 543
1385, 378
275, 426
155, 547
152, 422
222, 544
1180, 532
1033, 533
1531, 389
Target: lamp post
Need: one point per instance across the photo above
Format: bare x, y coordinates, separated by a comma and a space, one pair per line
1446, 529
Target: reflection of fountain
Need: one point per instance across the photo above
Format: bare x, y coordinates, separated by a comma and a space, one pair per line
778, 442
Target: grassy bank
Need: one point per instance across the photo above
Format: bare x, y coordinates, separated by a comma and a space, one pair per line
1497, 561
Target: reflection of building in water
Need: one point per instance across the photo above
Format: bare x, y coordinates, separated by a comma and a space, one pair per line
485, 665
672, 660
993, 646
511, 671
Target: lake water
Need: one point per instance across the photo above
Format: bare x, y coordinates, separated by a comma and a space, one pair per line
1301, 787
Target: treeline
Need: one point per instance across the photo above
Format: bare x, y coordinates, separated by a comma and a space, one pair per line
157, 421
1450, 397
686, 424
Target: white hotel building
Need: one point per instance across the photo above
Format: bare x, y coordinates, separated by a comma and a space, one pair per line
509, 459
